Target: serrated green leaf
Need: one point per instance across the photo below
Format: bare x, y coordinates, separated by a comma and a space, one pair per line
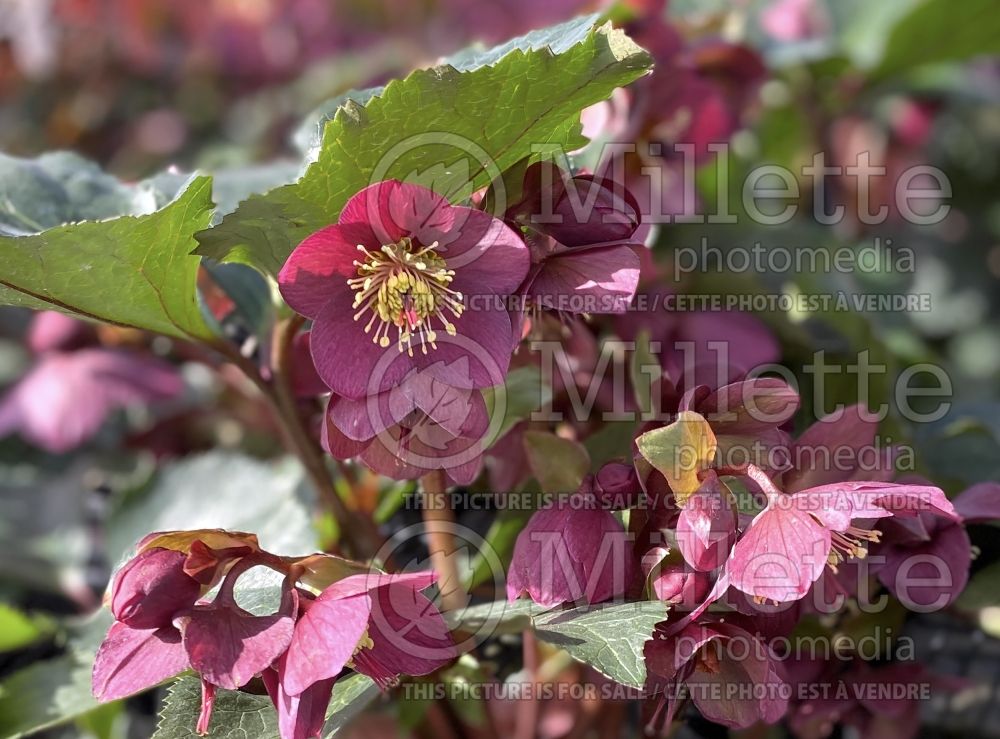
244, 716
134, 271
609, 638
447, 129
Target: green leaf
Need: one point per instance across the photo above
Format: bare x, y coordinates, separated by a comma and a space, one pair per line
609, 638
270, 499
133, 271
45, 694
645, 373
983, 590
497, 617
18, 629
61, 187
242, 715
558, 464
522, 394
452, 130
54, 691
941, 31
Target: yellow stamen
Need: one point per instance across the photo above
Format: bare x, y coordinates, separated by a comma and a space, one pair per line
407, 286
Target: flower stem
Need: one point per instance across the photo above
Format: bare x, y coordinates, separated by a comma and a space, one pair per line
297, 439
439, 524
352, 529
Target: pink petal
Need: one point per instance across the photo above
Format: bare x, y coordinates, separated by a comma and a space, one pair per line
488, 257
228, 645
325, 638
706, 527
781, 554
478, 356
600, 280
409, 634
750, 405
394, 209
841, 434
366, 368
299, 716
130, 661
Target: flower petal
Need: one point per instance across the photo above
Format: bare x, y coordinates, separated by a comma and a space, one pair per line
132, 660
321, 266
410, 636
981, 502
478, 356
325, 637
781, 554
600, 280
346, 358
488, 257
228, 645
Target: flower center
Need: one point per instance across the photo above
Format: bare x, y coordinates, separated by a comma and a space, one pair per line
406, 286
851, 543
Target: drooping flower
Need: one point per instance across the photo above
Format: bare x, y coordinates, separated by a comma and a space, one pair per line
924, 561
733, 677
152, 598
379, 625
579, 232
66, 396
573, 551
404, 272
788, 544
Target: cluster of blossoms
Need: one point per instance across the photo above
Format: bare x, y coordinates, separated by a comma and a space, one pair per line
432, 300
175, 605
742, 552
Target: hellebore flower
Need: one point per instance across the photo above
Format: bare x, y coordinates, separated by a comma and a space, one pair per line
422, 424
572, 551
788, 544
579, 231
927, 557
153, 598
396, 274
379, 625
66, 396
733, 677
